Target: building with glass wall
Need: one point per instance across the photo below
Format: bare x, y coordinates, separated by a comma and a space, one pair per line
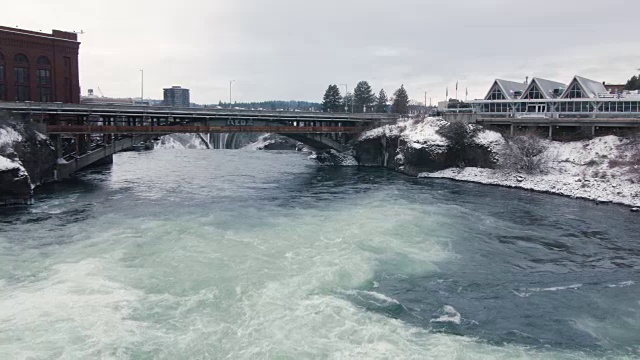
581, 97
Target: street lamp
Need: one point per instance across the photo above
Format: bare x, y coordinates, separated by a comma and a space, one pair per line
230, 83
425, 100
142, 86
346, 91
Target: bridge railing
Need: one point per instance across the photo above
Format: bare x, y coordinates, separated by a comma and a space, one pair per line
137, 110
102, 129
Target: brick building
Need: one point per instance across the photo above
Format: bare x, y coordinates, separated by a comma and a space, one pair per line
39, 67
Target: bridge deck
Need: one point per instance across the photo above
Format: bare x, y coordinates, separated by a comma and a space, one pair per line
88, 129
192, 113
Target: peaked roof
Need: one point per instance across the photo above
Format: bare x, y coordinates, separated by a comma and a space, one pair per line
546, 87
590, 88
508, 88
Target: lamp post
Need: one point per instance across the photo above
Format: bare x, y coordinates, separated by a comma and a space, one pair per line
230, 83
142, 86
346, 91
425, 100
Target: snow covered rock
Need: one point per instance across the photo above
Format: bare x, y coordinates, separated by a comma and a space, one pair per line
15, 184
412, 146
27, 159
332, 157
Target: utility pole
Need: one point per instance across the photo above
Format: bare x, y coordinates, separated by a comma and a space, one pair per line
230, 83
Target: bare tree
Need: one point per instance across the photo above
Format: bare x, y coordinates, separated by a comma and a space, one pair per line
525, 153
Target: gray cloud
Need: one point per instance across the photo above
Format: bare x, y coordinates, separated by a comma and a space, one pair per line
292, 49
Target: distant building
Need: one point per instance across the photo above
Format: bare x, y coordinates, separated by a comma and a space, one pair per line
40, 67
615, 89
176, 96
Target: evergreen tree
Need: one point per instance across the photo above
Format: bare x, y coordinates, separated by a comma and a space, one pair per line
401, 101
381, 102
363, 97
332, 101
633, 83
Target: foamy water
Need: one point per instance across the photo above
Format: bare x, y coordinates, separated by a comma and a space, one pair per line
245, 255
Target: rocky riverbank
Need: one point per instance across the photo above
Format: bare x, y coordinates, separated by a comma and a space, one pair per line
602, 169
27, 159
415, 146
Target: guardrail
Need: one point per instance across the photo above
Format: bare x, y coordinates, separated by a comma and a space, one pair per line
132, 110
88, 129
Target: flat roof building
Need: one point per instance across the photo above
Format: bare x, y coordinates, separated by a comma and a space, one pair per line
39, 67
176, 96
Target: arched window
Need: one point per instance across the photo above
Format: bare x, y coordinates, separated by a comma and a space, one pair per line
43, 60
21, 70
3, 79
44, 79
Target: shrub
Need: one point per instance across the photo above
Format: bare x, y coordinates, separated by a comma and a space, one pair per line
525, 153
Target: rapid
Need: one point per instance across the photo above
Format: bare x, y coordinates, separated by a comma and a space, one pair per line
198, 254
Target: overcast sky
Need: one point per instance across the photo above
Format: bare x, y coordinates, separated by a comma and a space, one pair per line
292, 49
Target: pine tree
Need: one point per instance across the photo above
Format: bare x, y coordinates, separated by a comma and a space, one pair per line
633, 83
332, 100
363, 97
401, 101
381, 102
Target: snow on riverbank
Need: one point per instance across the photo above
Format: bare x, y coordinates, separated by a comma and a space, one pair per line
580, 169
8, 137
415, 132
180, 141
6, 164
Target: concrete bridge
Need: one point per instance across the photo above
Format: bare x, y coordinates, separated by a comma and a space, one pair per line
112, 125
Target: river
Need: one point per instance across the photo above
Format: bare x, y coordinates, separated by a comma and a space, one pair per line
201, 254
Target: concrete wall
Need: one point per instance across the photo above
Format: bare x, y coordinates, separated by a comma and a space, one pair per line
65, 170
464, 117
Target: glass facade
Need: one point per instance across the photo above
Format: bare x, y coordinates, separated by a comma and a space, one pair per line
496, 94
575, 92
534, 93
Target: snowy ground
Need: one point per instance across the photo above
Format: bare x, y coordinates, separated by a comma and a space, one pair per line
580, 169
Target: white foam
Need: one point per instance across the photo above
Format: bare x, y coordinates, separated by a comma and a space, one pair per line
450, 315
622, 284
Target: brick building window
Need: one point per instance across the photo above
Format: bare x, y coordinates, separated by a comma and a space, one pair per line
44, 79
23, 83
3, 86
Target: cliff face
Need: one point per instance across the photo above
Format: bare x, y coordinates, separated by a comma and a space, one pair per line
414, 146
27, 159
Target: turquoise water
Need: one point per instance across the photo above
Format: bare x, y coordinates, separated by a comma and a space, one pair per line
242, 255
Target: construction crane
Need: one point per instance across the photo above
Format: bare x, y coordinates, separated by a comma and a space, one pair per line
100, 91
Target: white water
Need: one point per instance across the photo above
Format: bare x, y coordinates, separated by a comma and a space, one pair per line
146, 263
